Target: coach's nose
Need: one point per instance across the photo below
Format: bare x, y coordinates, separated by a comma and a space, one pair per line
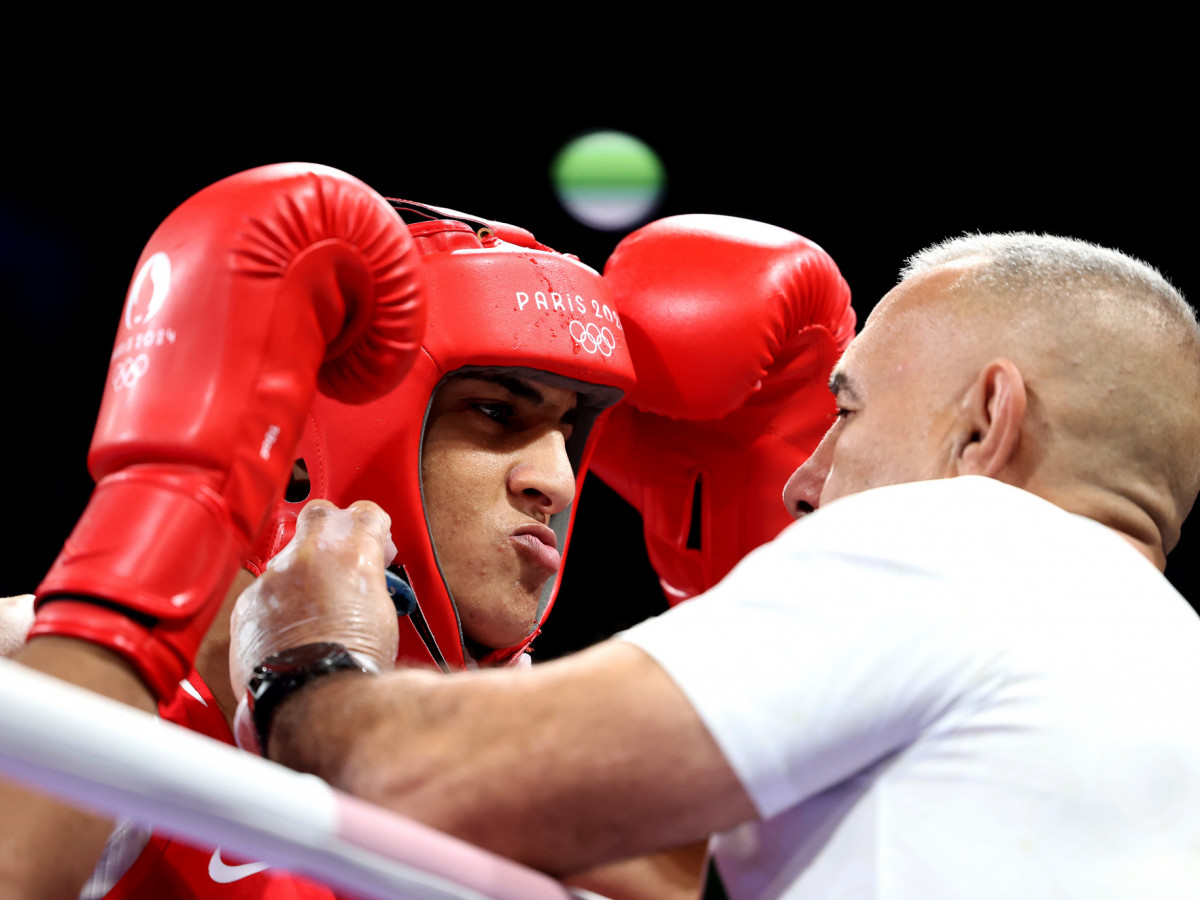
802, 493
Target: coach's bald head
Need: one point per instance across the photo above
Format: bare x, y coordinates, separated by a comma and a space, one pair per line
1064, 368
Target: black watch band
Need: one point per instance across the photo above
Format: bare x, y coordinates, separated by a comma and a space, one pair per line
278, 676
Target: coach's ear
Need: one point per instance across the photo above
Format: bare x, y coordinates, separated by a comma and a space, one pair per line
993, 411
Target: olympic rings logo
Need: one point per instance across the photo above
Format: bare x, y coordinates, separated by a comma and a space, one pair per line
129, 371
593, 338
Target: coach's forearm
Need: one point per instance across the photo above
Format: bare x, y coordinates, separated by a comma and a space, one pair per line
578, 762
47, 849
372, 736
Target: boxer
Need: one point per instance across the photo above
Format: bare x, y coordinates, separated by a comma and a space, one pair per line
479, 454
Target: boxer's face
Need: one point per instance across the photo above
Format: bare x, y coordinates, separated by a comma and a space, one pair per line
894, 388
494, 468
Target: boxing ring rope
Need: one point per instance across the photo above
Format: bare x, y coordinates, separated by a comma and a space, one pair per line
93, 752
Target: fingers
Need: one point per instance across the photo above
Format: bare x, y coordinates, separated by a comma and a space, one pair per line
358, 525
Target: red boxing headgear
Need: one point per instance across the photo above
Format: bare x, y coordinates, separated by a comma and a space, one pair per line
497, 299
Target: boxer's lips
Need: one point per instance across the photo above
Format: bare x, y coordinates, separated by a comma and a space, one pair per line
539, 543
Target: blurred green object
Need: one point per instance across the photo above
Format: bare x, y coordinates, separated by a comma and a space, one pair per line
608, 180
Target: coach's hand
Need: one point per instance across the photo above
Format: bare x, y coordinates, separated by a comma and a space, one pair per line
325, 592
327, 585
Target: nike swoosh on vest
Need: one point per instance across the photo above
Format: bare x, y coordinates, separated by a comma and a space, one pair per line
223, 873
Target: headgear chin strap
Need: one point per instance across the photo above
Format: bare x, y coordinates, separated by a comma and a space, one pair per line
497, 299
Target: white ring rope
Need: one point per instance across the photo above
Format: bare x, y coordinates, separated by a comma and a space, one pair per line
98, 754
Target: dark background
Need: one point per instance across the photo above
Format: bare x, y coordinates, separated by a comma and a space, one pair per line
870, 174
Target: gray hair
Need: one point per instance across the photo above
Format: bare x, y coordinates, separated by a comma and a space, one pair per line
1052, 266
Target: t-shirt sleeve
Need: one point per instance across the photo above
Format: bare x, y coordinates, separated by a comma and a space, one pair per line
808, 666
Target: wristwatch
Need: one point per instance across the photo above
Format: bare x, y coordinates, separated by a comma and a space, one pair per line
281, 674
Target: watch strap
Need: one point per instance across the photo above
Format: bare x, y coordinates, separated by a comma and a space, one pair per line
282, 674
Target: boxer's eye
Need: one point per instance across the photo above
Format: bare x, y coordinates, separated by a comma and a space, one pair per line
500, 413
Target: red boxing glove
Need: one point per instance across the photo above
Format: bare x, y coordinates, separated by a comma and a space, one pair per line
249, 295
734, 327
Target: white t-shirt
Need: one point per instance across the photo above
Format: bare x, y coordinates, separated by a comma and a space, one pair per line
949, 689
